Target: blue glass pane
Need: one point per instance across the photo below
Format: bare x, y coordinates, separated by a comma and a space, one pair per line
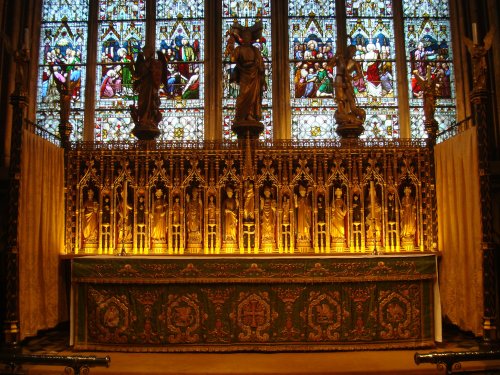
64, 10
426, 8
118, 10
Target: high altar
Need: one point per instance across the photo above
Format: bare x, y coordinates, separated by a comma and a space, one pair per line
251, 246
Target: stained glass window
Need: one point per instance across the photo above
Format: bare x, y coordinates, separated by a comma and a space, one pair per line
63, 53
428, 42
180, 32
312, 35
370, 28
246, 13
120, 37
178, 27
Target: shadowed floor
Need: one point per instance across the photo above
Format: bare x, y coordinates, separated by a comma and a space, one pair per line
360, 362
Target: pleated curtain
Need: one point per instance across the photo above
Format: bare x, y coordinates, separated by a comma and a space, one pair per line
40, 235
459, 231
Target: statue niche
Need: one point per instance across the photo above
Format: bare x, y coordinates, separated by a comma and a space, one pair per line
230, 210
159, 222
408, 219
303, 219
211, 245
194, 212
90, 222
125, 219
267, 220
337, 221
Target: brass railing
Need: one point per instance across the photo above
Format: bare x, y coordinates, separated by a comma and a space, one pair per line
454, 129
42, 132
73, 364
451, 361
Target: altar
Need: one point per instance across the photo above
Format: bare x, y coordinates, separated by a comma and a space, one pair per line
245, 303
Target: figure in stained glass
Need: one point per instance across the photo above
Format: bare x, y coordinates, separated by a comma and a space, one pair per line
192, 88
324, 78
371, 69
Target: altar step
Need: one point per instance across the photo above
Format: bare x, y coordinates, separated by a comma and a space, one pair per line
394, 362
345, 363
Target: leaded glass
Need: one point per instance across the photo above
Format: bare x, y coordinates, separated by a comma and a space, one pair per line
171, 9
305, 8
121, 35
445, 116
182, 124
368, 8
313, 123
122, 10
180, 29
64, 10
428, 47
266, 120
119, 44
50, 120
381, 122
426, 8
370, 28
115, 125
428, 44
246, 13
374, 41
312, 34
62, 58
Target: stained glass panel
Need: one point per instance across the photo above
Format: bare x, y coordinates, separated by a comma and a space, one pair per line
62, 60
370, 28
49, 120
445, 116
266, 120
428, 49
180, 30
182, 125
312, 34
121, 35
381, 122
59, 10
313, 123
426, 8
246, 13
120, 10
171, 9
374, 41
368, 8
115, 125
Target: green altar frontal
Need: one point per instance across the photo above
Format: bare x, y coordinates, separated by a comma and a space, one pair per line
211, 304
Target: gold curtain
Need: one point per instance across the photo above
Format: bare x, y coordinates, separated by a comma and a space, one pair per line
459, 231
40, 234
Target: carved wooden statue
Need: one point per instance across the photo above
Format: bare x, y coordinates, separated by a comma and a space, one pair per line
146, 115
478, 53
